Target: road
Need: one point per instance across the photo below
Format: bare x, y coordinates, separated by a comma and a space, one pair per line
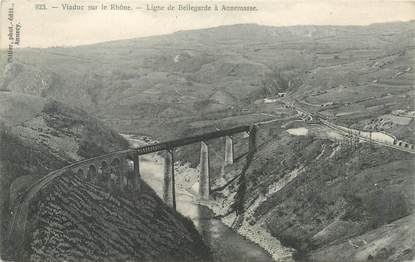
308, 116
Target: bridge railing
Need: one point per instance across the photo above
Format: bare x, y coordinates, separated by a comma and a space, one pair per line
113, 171
116, 170
368, 137
168, 145
111, 167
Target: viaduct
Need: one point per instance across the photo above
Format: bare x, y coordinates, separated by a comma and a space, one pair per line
120, 171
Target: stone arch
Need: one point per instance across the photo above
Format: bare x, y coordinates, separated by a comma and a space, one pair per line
80, 173
130, 174
92, 173
35, 162
400, 143
115, 174
103, 173
104, 165
130, 165
115, 162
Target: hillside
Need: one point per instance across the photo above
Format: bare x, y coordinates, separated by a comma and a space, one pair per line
140, 85
324, 195
327, 198
75, 220
39, 135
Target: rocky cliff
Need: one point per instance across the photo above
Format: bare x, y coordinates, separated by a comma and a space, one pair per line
328, 199
40, 135
325, 197
74, 220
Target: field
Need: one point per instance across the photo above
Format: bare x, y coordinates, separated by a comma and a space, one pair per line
317, 192
353, 73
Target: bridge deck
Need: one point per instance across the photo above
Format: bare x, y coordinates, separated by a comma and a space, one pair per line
18, 225
168, 145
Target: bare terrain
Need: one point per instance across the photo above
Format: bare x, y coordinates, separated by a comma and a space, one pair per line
323, 194
361, 75
39, 135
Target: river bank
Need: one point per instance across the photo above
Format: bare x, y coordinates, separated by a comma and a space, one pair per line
258, 244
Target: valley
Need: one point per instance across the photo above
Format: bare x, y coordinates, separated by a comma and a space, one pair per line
332, 174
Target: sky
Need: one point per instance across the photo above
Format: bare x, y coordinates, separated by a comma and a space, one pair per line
57, 27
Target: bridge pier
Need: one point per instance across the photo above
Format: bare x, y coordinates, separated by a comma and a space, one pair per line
204, 178
228, 150
136, 172
252, 139
169, 194
123, 174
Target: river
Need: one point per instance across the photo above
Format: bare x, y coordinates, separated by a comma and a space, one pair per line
226, 244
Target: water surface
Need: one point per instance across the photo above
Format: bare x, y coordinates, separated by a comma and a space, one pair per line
226, 244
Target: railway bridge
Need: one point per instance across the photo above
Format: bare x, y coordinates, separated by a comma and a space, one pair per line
204, 178
121, 171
